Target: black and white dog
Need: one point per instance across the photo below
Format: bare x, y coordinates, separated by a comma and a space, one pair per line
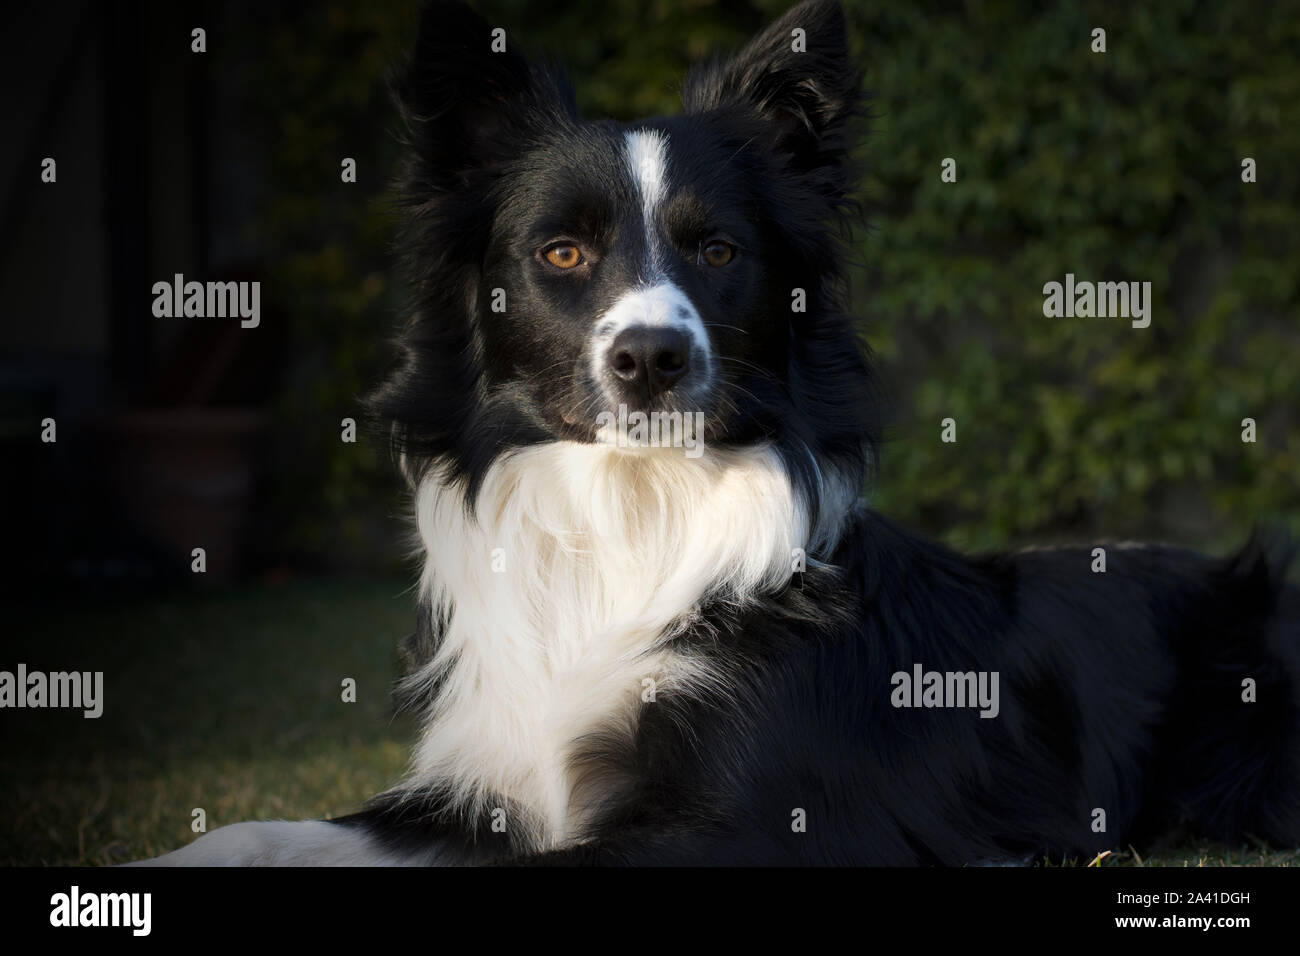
656, 625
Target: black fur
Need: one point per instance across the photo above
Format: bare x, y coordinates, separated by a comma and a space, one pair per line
1120, 691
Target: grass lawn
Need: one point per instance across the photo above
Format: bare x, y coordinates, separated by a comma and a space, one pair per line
231, 702
228, 702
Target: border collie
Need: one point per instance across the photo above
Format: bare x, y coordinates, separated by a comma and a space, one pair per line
656, 624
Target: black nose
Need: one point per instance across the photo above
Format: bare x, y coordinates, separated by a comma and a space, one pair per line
648, 359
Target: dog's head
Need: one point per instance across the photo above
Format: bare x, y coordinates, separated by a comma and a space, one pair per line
569, 271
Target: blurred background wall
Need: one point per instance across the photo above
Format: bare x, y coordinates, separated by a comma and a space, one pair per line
225, 165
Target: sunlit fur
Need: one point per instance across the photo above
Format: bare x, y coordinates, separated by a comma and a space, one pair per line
604, 556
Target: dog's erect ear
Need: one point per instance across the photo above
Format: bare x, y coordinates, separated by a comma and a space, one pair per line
469, 99
797, 75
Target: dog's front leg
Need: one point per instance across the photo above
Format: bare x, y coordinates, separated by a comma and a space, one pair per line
288, 843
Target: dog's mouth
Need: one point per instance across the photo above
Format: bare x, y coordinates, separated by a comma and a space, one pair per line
668, 422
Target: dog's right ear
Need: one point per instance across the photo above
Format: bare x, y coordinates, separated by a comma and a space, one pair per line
469, 100
798, 77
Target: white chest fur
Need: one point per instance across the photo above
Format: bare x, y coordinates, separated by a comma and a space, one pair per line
562, 592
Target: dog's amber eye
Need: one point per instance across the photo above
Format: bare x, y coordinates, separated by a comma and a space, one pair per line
563, 255
718, 253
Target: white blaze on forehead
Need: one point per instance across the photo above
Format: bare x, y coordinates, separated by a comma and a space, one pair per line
647, 158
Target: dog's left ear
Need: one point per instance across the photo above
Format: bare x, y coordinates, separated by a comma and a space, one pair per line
798, 77
470, 101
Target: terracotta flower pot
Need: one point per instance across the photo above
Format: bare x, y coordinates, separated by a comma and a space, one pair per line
184, 478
